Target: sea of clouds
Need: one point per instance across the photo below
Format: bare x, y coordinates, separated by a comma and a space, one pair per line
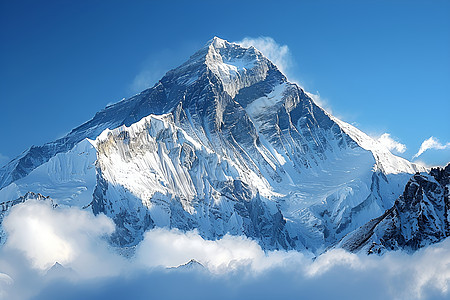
235, 267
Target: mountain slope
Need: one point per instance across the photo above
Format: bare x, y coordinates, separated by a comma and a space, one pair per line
419, 217
223, 144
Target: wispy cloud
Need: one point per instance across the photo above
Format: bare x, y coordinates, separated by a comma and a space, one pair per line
320, 101
279, 54
391, 143
431, 143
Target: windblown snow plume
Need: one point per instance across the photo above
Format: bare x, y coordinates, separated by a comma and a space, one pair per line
391, 144
278, 54
431, 143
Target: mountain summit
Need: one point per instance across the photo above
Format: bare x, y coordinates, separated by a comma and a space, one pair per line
222, 144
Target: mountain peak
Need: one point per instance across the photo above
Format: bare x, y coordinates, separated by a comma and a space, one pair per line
235, 65
227, 50
217, 42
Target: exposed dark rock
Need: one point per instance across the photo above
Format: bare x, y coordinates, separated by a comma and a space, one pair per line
419, 217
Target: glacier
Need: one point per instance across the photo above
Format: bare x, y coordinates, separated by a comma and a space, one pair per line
223, 144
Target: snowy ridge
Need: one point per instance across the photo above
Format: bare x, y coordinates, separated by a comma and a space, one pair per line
67, 177
387, 162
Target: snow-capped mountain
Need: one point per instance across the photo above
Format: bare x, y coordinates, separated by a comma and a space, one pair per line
419, 217
222, 144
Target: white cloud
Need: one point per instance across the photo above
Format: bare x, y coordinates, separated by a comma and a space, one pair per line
162, 247
5, 283
431, 143
387, 141
255, 274
38, 235
404, 276
278, 54
68, 236
169, 248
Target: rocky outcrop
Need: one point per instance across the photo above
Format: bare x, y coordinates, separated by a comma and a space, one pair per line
419, 217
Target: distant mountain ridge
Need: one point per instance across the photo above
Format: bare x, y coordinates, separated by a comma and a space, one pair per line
222, 144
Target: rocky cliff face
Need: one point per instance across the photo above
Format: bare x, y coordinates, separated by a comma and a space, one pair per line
419, 217
221, 144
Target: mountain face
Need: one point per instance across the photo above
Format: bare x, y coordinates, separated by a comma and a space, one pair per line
222, 144
419, 217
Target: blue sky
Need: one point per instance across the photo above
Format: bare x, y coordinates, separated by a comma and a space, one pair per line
383, 66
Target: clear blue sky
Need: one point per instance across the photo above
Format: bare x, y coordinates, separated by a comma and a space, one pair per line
381, 65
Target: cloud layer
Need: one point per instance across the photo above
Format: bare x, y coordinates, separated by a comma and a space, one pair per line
69, 236
431, 143
236, 267
170, 248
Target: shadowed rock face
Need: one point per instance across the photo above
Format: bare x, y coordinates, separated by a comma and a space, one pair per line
419, 217
221, 144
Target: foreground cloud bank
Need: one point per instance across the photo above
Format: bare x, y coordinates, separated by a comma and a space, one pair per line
235, 267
